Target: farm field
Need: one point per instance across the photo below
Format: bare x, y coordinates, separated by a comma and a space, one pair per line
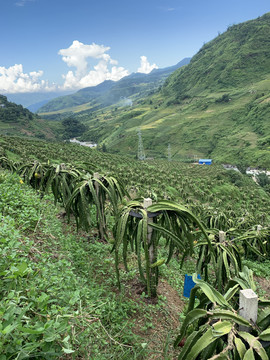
79, 277
206, 189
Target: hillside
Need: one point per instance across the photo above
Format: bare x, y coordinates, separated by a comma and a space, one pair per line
202, 187
217, 106
239, 57
80, 97
84, 301
136, 85
16, 120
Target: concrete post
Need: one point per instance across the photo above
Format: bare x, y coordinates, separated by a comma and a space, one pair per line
146, 203
100, 217
151, 250
248, 307
222, 236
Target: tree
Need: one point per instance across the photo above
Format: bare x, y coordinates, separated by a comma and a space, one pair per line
72, 128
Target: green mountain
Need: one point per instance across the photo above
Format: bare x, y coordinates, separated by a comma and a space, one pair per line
234, 59
109, 92
217, 106
16, 120
80, 97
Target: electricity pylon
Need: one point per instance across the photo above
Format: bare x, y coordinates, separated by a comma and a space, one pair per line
169, 153
141, 154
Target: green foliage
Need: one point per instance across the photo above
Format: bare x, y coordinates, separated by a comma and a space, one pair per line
134, 229
49, 308
72, 128
75, 189
207, 191
211, 328
90, 190
226, 252
11, 112
17, 120
260, 268
223, 99
232, 203
264, 181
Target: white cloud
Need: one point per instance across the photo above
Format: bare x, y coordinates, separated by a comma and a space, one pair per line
78, 55
23, 2
145, 67
13, 80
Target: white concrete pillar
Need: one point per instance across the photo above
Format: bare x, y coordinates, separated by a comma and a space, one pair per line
222, 236
248, 307
147, 202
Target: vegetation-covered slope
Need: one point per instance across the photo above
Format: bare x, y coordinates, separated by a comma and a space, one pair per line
58, 294
65, 301
236, 58
204, 188
217, 106
109, 92
16, 120
80, 97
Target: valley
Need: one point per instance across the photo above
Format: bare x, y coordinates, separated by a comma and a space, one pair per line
196, 111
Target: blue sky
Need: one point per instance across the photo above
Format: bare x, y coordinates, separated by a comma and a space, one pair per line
67, 44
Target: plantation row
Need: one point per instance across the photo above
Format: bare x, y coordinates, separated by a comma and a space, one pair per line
167, 227
220, 198
56, 302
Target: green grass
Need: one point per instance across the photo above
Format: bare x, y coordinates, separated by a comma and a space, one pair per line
54, 286
59, 297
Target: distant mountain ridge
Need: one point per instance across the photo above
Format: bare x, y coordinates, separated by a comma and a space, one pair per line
31, 100
110, 92
80, 97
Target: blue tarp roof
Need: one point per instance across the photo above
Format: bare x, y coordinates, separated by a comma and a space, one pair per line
205, 161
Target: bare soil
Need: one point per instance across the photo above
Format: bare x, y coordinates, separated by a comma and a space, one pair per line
263, 286
165, 323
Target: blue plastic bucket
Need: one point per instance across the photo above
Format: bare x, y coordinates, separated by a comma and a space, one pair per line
189, 284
